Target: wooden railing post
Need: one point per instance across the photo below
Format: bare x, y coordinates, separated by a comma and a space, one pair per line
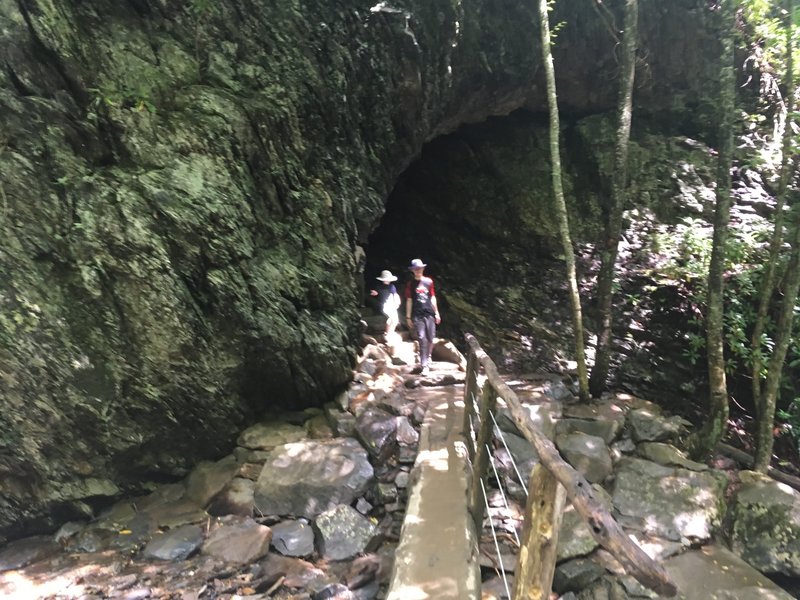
488, 401
604, 528
536, 564
470, 388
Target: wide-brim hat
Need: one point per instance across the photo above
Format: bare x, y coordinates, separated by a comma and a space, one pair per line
417, 264
386, 277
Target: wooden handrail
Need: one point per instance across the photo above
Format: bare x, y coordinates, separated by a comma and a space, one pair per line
602, 525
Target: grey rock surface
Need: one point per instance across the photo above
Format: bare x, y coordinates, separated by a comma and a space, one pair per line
307, 478
343, 532
175, 544
669, 502
766, 525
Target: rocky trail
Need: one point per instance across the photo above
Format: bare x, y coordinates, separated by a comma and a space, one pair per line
310, 505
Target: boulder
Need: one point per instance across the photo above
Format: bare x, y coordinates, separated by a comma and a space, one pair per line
307, 478
175, 544
766, 524
668, 502
587, 453
293, 538
343, 532
238, 540
208, 479
269, 434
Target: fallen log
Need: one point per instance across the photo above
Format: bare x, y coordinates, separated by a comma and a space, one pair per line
745, 459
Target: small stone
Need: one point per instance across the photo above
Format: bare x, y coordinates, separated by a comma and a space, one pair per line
293, 538
176, 544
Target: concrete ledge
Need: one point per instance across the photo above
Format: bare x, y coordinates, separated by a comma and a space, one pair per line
438, 552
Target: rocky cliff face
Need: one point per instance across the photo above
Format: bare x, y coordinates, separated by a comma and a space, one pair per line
183, 183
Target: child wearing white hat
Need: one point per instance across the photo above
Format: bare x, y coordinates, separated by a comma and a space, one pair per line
388, 300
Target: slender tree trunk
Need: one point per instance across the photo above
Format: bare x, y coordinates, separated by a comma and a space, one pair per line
560, 203
768, 283
619, 182
766, 398
765, 439
714, 428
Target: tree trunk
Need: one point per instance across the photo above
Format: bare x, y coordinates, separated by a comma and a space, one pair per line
560, 204
765, 398
619, 182
768, 283
706, 439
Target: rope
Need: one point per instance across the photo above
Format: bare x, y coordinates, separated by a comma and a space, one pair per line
496, 543
499, 433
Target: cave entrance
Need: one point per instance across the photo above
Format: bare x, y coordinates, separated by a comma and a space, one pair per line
475, 207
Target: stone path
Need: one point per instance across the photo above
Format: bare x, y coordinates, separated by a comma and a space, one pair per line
250, 526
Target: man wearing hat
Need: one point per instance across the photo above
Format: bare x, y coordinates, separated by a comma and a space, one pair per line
388, 301
422, 311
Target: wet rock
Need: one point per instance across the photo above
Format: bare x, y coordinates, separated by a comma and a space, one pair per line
235, 499
25, 551
766, 525
669, 502
307, 478
588, 454
238, 541
269, 434
293, 538
343, 532
575, 575
208, 479
377, 429
175, 544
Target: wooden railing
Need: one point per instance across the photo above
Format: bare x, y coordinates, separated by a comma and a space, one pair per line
551, 480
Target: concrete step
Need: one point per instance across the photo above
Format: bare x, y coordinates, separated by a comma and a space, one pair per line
436, 557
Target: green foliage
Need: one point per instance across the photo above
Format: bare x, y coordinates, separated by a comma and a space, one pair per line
137, 99
791, 419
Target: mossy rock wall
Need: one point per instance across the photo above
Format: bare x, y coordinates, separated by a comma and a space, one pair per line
182, 184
